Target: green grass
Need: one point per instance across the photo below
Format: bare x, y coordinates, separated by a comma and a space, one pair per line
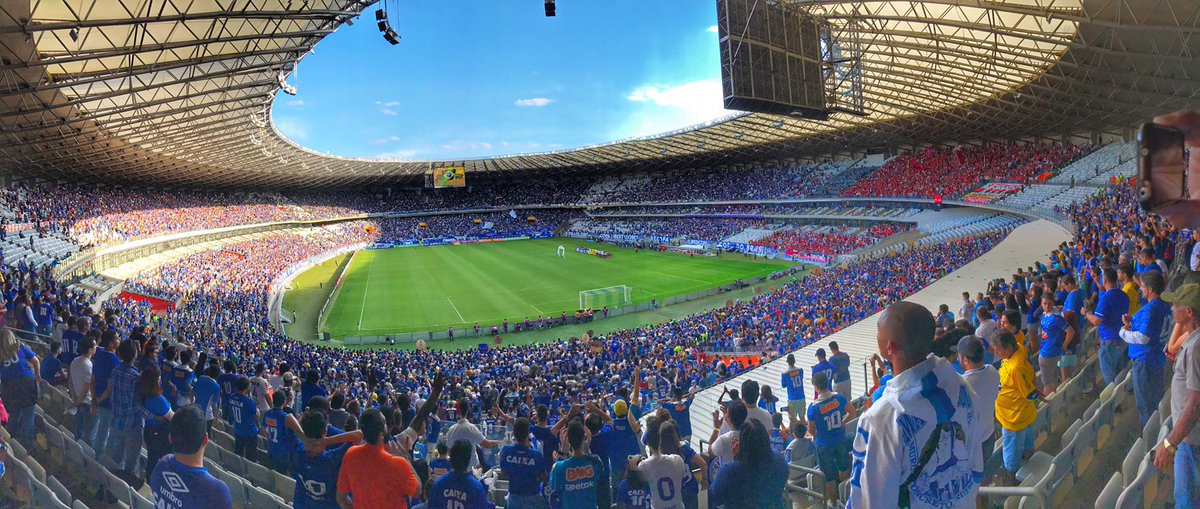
433, 288
308, 292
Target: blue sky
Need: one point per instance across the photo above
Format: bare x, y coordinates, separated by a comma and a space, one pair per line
474, 78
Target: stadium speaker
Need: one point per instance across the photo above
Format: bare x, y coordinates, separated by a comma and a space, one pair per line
550, 8
384, 26
380, 15
392, 36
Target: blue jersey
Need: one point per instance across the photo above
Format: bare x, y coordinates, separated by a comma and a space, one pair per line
174, 485
825, 415
103, 364
1054, 333
457, 491
625, 441
681, 413
523, 466
793, 382
825, 366
548, 442
633, 498
70, 346
439, 467
243, 413
280, 439
207, 391
228, 382
1112, 306
573, 483
316, 477
20, 366
841, 365
183, 380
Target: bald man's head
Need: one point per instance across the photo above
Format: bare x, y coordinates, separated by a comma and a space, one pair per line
905, 333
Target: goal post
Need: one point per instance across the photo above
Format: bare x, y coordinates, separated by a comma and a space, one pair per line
612, 296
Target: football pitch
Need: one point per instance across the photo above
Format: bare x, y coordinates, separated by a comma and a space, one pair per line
416, 289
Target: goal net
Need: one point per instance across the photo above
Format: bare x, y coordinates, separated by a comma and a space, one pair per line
611, 296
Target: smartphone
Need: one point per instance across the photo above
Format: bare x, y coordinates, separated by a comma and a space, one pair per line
1162, 168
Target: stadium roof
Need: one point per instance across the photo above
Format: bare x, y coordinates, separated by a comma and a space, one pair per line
178, 92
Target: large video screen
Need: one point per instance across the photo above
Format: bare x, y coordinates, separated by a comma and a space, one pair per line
450, 177
771, 59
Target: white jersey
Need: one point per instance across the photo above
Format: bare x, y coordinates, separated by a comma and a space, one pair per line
986, 383
665, 474
892, 433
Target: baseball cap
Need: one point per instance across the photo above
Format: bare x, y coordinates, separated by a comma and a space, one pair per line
971, 348
1187, 295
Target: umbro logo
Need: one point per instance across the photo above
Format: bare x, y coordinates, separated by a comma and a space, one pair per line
175, 483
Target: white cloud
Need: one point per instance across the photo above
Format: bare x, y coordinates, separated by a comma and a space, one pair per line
535, 102
459, 146
668, 107
402, 154
295, 102
294, 129
388, 111
384, 141
388, 104
712, 29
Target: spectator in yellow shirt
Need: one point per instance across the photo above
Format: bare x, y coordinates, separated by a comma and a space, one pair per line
1130, 287
1015, 409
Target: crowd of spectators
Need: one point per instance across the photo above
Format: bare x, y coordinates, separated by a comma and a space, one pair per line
232, 273
692, 228
769, 181
827, 240
579, 398
952, 172
475, 226
217, 336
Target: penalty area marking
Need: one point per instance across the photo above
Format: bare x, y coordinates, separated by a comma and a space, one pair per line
535, 308
460, 317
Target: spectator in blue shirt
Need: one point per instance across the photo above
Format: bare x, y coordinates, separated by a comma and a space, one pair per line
71, 337
1144, 334
182, 380
104, 361
841, 365
1113, 304
680, 408
525, 469
310, 388
825, 416
280, 439
315, 464
243, 413
208, 392
458, 489
792, 380
179, 480
52, 370
1057, 335
127, 414
156, 411
18, 385
822, 366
